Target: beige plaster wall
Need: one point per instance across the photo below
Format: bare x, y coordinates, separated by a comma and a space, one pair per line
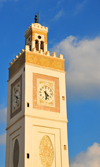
15, 132
39, 122
12, 80
29, 70
15, 125
35, 128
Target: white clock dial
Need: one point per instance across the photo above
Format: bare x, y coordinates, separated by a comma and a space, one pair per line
46, 93
16, 97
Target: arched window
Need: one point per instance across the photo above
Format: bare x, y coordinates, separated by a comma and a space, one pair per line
42, 45
37, 45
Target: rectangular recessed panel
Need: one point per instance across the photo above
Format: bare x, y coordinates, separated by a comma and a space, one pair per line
46, 147
45, 87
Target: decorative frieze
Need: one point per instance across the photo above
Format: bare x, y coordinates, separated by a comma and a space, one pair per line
37, 58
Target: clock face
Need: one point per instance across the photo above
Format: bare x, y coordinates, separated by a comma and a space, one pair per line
45, 92
16, 96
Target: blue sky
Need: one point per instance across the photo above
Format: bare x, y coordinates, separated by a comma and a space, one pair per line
74, 31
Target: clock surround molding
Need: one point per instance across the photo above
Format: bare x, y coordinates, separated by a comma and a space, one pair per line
56, 108
12, 86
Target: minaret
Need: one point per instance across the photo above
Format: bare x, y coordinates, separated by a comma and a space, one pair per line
36, 107
36, 36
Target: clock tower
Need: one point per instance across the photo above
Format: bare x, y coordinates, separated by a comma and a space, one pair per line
36, 107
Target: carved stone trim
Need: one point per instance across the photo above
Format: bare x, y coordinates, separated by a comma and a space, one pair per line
45, 61
56, 96
46, 151
20, 107
36, 59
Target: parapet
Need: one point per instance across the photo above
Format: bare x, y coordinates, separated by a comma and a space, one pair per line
40, 52
16, 57
36, 26
47, 53
36, 58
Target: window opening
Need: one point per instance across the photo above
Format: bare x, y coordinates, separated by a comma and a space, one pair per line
28, 156
42, 45
27, 104
37, 45
39, 37
30, 47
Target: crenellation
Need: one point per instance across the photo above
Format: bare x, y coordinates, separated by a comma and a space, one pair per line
47, 53
13, 60
27, 47
60, 56
41, 51
16, 57
19, 54
54, 54
22, 50
34, 50
37, 26
10, 64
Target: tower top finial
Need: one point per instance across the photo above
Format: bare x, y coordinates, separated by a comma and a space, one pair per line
36, 19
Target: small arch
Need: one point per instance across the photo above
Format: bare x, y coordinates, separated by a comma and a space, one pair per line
42, 45
37, 45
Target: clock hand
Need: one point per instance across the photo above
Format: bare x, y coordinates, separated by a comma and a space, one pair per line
16, 98
46, 95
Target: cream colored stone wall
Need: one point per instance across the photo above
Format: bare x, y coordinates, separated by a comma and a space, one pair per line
11, 81
30, 129
30, 69
15, 125
35, 30
39, 123
15, 132
40, 130
37, 128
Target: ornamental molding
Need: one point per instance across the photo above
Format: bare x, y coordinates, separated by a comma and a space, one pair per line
38, 58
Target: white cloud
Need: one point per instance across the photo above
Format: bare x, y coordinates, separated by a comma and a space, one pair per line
79, 7
90, 158
58, 15
3, 138
83, 66
3, 114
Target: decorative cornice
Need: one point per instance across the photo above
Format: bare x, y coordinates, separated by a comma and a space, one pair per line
36, 26
43, 60
38, 58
